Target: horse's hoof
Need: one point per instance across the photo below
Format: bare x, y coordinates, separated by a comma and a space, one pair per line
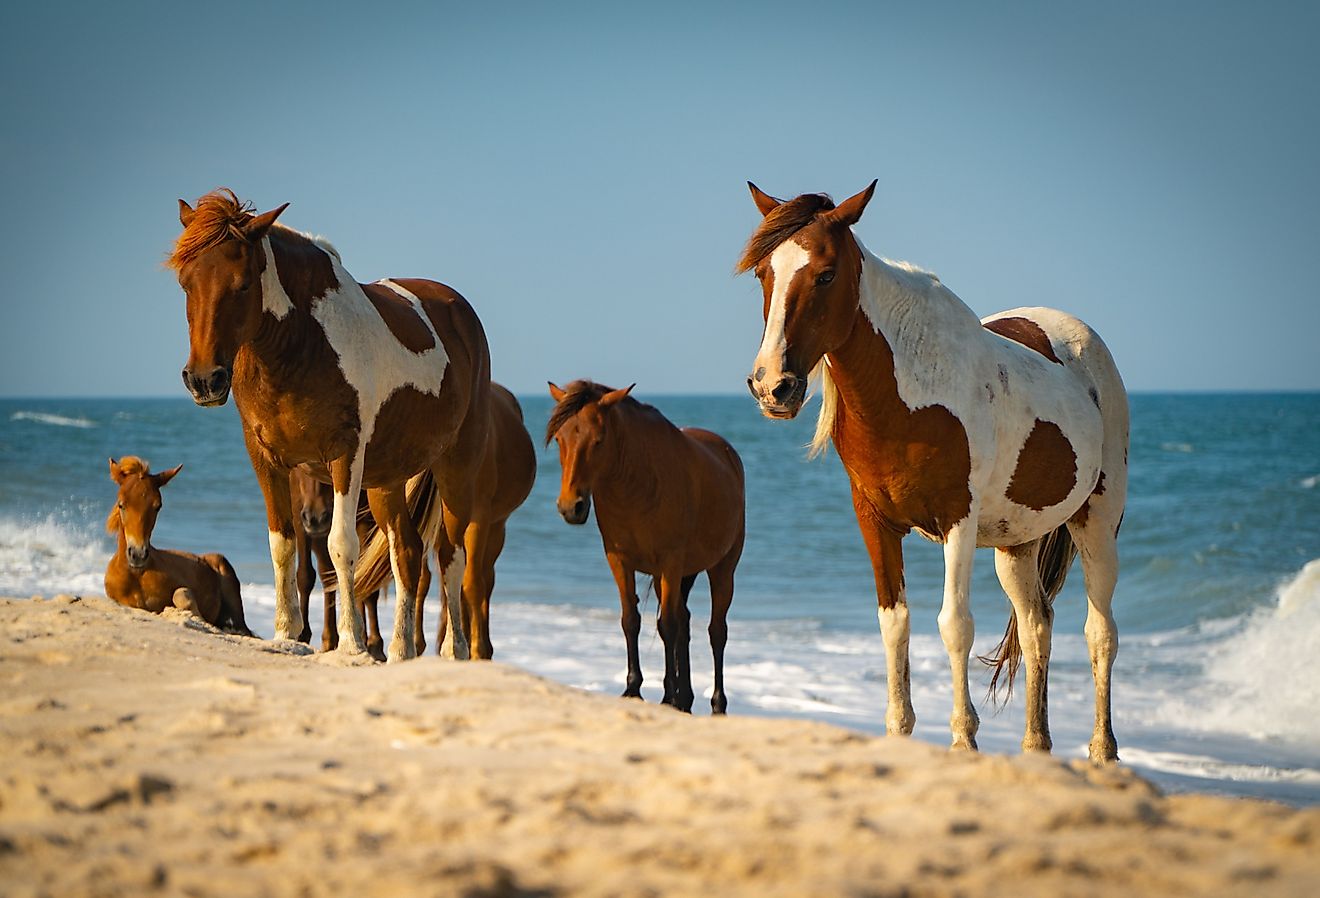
720, 706
963, 743
1103, 751
1037, 742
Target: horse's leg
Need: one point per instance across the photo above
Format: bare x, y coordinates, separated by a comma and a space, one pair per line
956, 626
453, 642
1097, 543
495, 534
885, 546
371, 613
306, 579
346, 474
721, 597
274, 483
476, 541
1020, 577
390, 508
231, 598
329, 627
625, 578
674, 630
423, 587
184, 600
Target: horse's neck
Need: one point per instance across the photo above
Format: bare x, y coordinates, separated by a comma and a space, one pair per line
629, 475
288, 334
912, 339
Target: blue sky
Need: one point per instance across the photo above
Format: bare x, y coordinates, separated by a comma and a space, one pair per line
577, 171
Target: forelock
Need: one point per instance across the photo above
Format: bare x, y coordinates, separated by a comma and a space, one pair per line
783, 222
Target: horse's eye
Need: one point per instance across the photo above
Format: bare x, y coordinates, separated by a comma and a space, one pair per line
824, 278
121, 506
243, 287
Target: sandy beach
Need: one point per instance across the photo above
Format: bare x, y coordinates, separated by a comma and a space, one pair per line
153, 755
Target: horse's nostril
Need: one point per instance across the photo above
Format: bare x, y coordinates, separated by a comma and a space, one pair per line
760, 374
784, 389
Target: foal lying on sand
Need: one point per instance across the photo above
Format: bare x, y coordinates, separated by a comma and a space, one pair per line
142, 576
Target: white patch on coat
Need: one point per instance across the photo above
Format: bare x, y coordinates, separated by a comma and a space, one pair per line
944, 356
787, 259
344, 547
273, 297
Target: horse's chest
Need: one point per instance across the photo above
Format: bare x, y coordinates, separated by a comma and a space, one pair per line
291, 429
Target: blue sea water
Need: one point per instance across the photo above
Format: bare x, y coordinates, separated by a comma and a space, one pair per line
1218, 604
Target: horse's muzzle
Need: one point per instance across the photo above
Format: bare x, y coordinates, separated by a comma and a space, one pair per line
781, 400
137, 557
578, 512
317, 525
208, 388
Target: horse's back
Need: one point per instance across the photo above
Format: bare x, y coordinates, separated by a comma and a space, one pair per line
511, 453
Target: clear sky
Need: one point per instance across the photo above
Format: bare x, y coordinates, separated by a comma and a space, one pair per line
577, 171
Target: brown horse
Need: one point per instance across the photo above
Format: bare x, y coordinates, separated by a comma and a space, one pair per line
313, 506
1009, 432
669, 503
143, 576
503, 483
369, 384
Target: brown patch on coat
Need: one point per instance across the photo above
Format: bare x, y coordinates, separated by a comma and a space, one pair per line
401, 318
306, 271
914, 466
1046, 471
1080, 517
1024, 331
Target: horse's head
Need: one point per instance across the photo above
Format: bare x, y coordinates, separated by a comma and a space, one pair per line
316, 499
137, 506
809, 265
580, 424
219, 260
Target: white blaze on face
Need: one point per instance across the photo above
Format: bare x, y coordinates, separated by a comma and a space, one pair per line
785, 262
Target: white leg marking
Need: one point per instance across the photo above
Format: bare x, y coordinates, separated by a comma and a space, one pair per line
895, 628
402, 646
288, 613
1021, 581
451, 582
1100, 567
956, 627
343, 545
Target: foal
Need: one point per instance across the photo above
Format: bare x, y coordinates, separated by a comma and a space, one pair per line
669, 503
142, 576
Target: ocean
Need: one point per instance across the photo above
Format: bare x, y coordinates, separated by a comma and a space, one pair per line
1217, 682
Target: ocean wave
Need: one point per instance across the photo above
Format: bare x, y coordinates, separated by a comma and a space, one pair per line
55, 420
1178, 447
1310, 483
48, 556
1258, 681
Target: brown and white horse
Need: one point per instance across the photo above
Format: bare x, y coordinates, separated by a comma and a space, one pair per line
1010, 432
503, 483
669, 503
369, 383
143, 576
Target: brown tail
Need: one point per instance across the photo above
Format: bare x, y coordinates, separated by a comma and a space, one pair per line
1056, 554
373, 568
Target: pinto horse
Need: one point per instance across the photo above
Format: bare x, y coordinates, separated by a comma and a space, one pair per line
467, 571
669, 503
1010, 432
143, 576
370, 384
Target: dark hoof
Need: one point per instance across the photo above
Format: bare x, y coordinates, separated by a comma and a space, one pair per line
633, 693
376, 649
719, 704
305, 635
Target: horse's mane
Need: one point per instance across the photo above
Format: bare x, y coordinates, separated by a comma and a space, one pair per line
132, 465
578, 395
783, 222
219, 216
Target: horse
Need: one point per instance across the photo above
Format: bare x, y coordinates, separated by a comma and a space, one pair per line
669, 503
369, 384
143, 576
313, 507
1009, 432
467, 579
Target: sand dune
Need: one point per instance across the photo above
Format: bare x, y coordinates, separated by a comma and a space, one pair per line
147, 755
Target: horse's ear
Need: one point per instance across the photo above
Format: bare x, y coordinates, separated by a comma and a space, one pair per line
115, 474
555, 392
850, 210
259, 225
614, 396
165, 477
186, 213
764, 201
